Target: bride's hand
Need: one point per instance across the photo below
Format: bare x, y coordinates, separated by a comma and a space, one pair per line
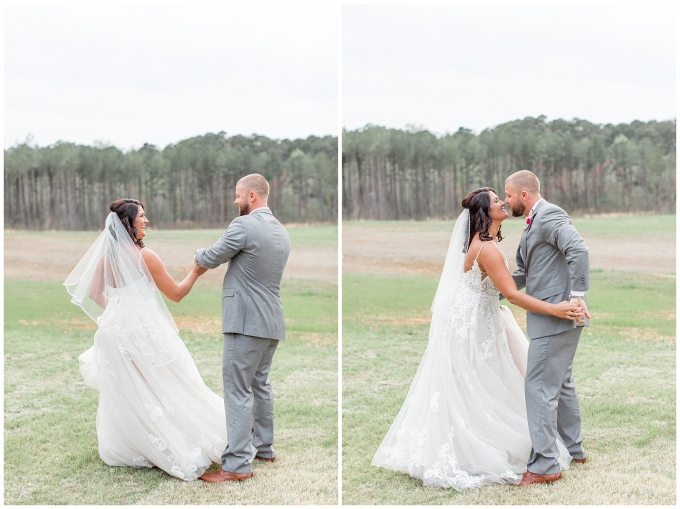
580, 302
199, 270
568, 310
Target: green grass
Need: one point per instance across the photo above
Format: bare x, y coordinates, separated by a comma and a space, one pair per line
660, 225
50, 437
624, 371
309, 305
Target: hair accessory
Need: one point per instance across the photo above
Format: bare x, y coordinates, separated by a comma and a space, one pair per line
466, 243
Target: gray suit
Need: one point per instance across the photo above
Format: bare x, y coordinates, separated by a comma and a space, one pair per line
552, 260
256, 247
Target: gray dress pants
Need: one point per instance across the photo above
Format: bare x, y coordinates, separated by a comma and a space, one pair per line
248, 400
552, 401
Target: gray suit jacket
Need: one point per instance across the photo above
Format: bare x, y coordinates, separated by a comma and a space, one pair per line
552, 260
256, 247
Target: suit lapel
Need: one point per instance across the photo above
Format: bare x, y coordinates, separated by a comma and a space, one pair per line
524, 240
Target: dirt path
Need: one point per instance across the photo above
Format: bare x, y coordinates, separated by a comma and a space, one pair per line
53, 255
406, 248
420, 248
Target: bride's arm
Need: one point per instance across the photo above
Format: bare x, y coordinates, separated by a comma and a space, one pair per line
97, 285
493, 263
173, 291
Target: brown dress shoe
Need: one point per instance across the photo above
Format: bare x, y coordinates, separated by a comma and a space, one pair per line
531, 478
270, 460
222, 475
579, 460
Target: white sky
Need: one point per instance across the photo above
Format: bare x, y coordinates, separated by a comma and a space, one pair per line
476, 66
159, 73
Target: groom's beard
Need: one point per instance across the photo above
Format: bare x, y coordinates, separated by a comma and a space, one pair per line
245, 210
517, 210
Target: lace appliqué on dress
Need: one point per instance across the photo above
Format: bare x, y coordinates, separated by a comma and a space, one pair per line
447, 470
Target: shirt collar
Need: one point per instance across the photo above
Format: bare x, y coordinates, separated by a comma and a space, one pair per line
261, 209
533, 209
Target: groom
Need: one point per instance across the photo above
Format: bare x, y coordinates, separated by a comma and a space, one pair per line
256, 247
553, 265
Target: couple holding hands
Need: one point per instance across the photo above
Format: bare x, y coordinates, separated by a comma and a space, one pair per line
154, 408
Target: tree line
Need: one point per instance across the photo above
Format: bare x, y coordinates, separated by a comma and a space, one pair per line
586, 167
185, 185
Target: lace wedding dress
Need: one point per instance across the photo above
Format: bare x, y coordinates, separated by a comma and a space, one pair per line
154, 409
464, 422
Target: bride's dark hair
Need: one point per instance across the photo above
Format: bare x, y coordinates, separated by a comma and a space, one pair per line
478, 203
127, 210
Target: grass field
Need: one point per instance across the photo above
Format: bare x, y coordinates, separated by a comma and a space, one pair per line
624, 371
50, 437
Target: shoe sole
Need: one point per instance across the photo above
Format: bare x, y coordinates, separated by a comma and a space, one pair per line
225, 480
543, 481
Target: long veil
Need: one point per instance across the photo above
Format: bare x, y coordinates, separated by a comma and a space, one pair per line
113, 274
451, 274
154, 407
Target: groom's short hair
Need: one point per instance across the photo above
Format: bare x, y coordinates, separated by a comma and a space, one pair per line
524, 180
255, 182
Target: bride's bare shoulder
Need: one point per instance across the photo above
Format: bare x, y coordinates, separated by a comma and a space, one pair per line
150, 257
472, 251
490, 256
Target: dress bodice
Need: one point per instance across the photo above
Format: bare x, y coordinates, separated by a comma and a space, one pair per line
140, 287
134, 307
477, 281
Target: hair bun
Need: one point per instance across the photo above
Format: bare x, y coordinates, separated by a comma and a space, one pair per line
126, 209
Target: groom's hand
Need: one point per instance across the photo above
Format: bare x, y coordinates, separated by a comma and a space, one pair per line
579, 301
584, 312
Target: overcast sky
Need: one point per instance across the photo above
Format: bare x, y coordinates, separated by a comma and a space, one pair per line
476, 66
130, 74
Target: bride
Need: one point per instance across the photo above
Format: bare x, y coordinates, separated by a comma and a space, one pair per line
154, 408
464, 422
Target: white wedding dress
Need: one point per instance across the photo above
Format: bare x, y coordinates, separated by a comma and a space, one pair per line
464, 422
154, 409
